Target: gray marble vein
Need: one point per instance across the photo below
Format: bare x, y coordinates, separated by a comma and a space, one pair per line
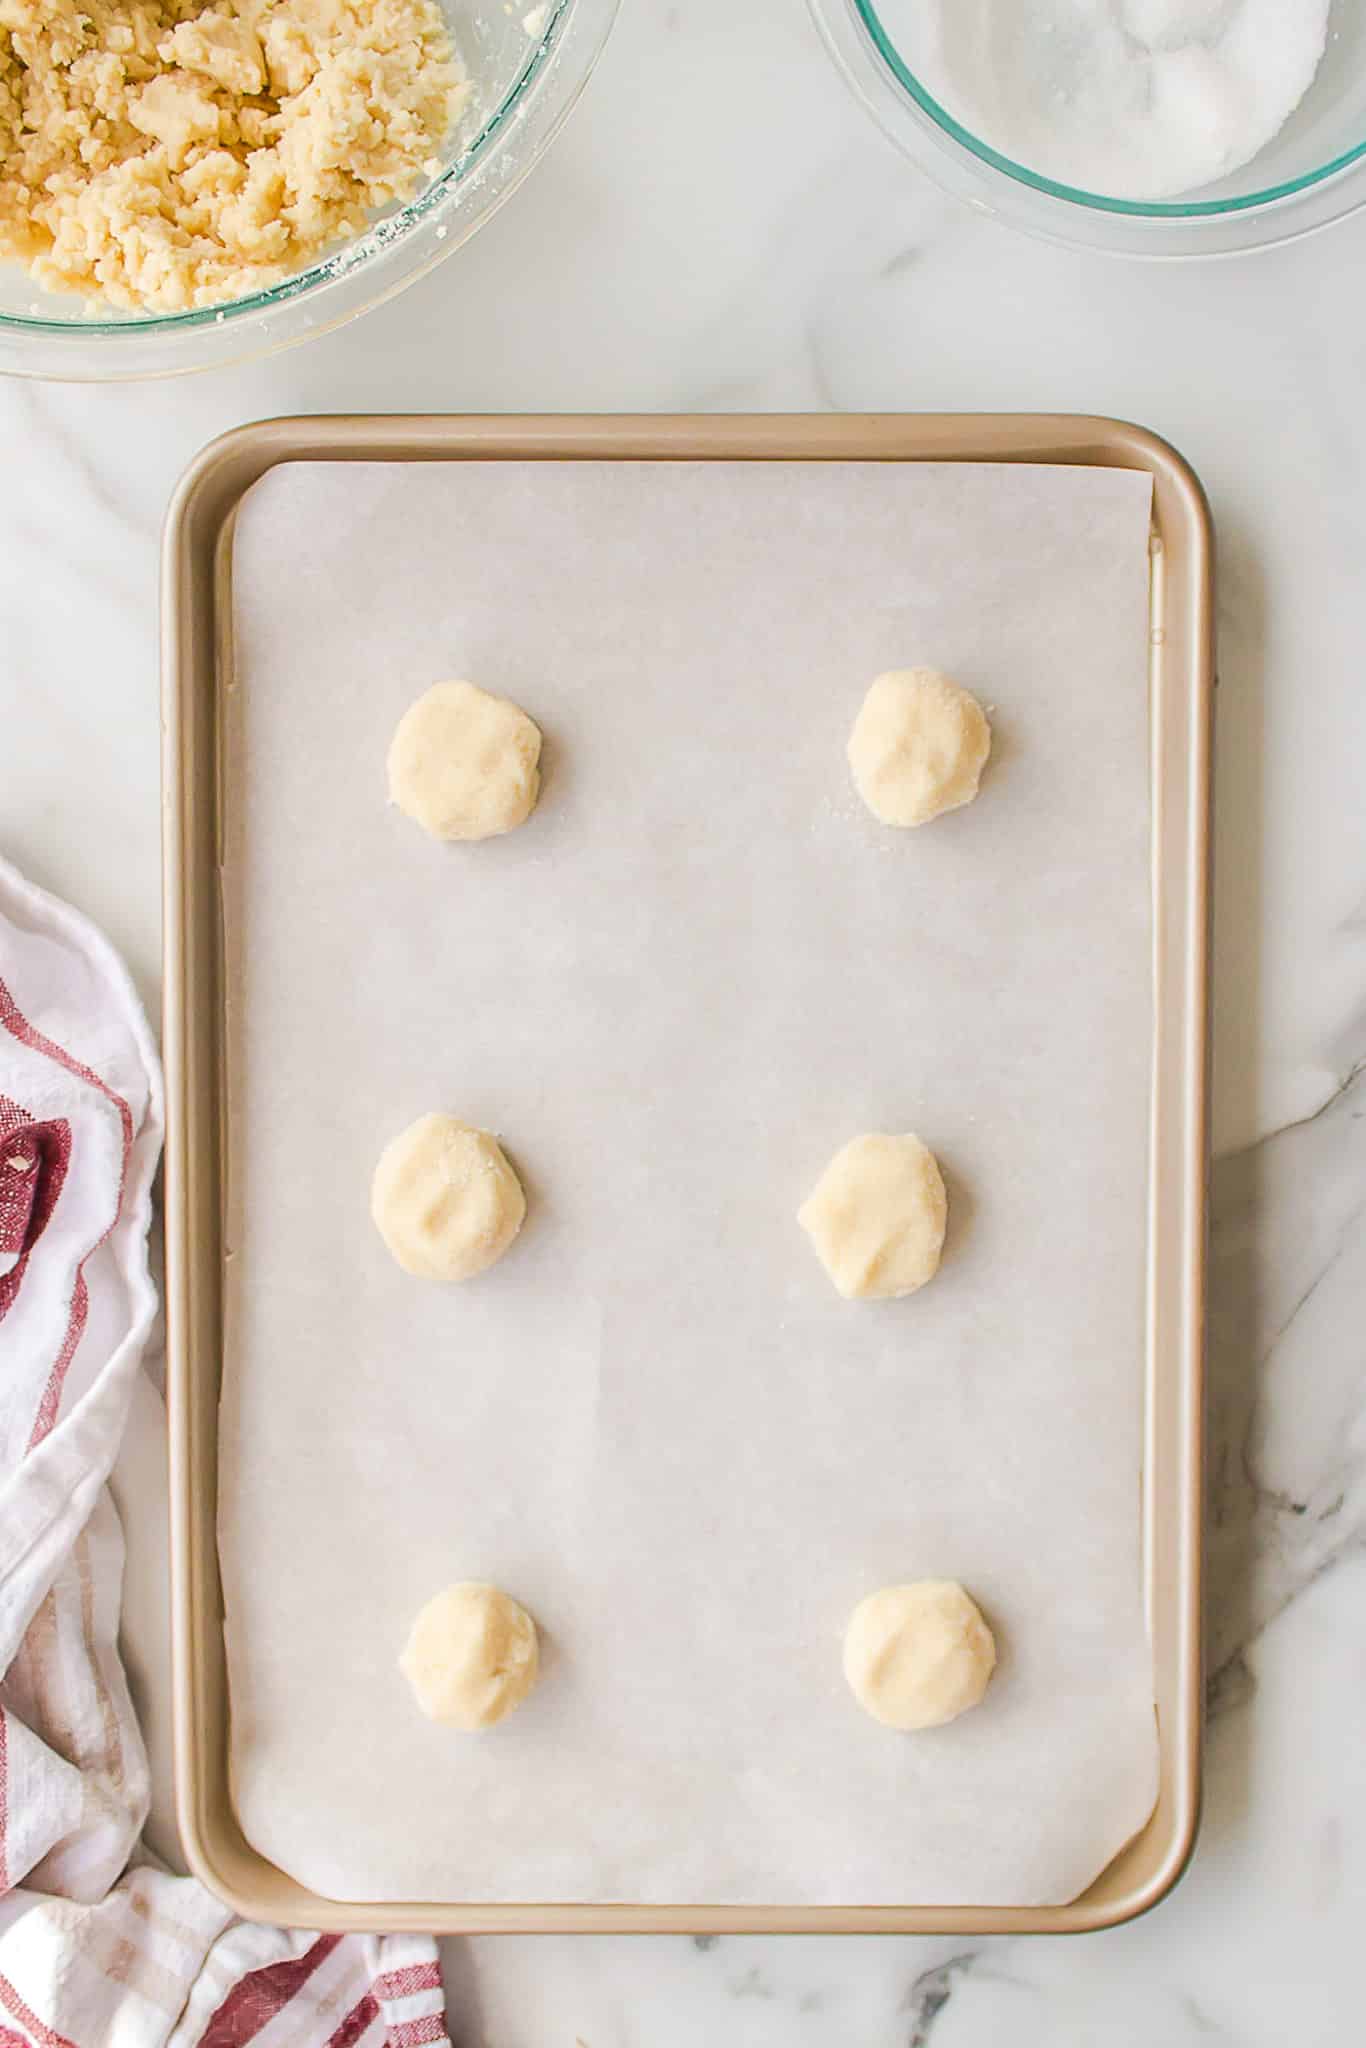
1287, 1370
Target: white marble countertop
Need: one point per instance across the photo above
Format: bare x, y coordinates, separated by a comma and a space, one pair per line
721, 228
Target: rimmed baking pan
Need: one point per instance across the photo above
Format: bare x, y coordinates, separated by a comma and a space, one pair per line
197, 649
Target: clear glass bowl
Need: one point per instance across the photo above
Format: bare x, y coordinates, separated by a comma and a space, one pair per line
524, 87
1312, 173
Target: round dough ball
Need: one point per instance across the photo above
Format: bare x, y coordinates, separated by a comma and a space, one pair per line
877, 1217
464, 764
917, 1656
472, 1655
445, 1200
918, 746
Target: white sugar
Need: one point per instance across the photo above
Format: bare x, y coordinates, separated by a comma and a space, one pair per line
1139, 99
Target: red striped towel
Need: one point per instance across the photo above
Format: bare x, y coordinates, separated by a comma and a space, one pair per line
100, 1947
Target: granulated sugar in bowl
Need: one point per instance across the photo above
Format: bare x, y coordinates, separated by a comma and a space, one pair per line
1148, 127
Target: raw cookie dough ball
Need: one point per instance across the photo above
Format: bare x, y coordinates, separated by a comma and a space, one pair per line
472, 1655
918, 746
464, 764
917, 1656
877, 1217
445, 1200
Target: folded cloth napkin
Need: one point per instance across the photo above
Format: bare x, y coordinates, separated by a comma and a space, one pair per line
100, 1947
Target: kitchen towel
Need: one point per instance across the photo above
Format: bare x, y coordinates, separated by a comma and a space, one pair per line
100, 1946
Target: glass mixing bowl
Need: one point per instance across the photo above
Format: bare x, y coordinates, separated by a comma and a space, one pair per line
1308, 175
524, 86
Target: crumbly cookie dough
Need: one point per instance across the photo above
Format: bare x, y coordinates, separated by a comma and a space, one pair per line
445, 1200
464, 764
472, 1656
163, 154
920, 1655
918, 747
877, 1216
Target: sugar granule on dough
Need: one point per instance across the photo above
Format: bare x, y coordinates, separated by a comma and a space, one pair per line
160, 155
